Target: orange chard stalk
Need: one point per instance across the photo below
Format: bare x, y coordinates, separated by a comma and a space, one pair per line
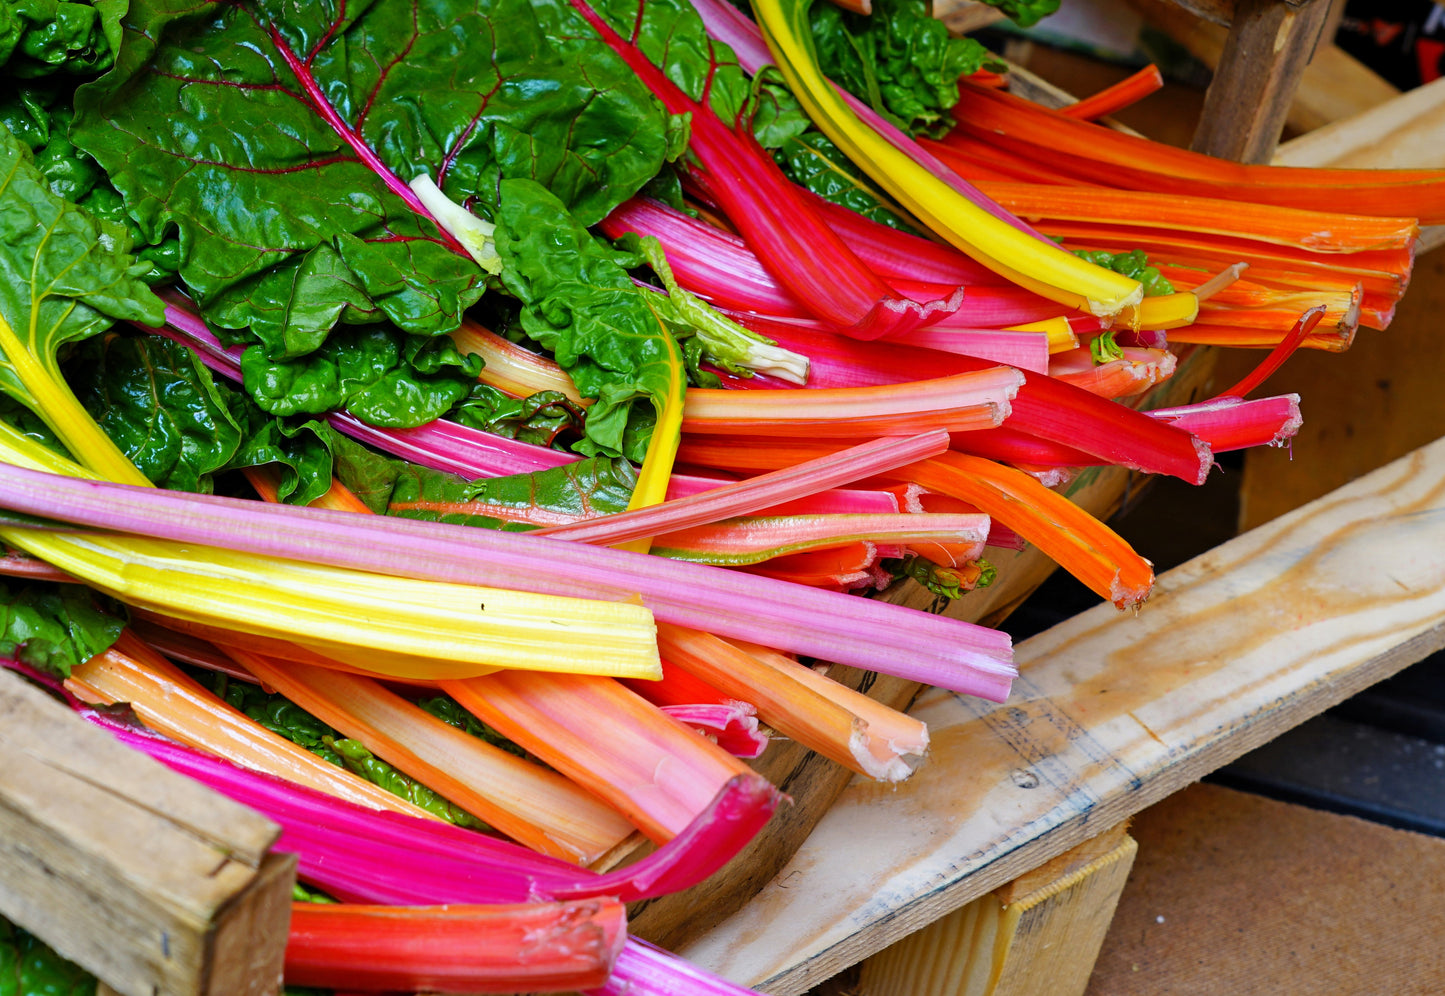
975, 160
1330, 340
514, 947
1095, 154
1111, 99
168, 701
1071, 537
807, 711
1320, 231
530, 804
609, 740
891, 733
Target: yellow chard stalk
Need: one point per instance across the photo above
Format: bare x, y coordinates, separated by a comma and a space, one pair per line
400, 627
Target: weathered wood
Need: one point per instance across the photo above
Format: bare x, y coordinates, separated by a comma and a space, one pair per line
145, 878
1334, 85
1269, 44
1037, 936
1112, 713
1407, 132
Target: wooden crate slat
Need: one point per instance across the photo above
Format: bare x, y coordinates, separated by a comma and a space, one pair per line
147, 879
1112, 713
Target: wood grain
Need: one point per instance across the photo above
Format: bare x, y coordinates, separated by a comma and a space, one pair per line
148, 880
1112, 713
1264, 57
1037, 936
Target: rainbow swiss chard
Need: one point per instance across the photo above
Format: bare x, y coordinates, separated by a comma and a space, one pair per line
281, 143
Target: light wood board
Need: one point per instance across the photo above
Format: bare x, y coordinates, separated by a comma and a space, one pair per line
145, 878
1112, 713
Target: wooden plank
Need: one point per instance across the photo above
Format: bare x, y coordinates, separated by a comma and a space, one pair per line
1037, 936
1407, 132
145, 878
1112, 712
1264, 56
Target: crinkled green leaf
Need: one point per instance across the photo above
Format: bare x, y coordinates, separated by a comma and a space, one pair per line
161, 405
539, 418
1025, 13
377, 372
39, 115
41, 37
900, 60
446, 709
299, 448
812, 160
63, 278
30, 967
580, 303
1133, 264
53, 627
278, 137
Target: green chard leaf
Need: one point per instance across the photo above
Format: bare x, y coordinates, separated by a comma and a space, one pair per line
41, 37
539, 418
279, 139
53, 627
30, 967
811, 160
181, 428
1133, 264
376, 372
1025, 13
62, 277
160, 405
580, 303
39, 115
900, 60
446, 709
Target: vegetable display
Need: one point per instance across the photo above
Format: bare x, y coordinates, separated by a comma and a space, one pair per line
467, 431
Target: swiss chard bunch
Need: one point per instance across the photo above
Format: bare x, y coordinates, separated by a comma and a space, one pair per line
281, 142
